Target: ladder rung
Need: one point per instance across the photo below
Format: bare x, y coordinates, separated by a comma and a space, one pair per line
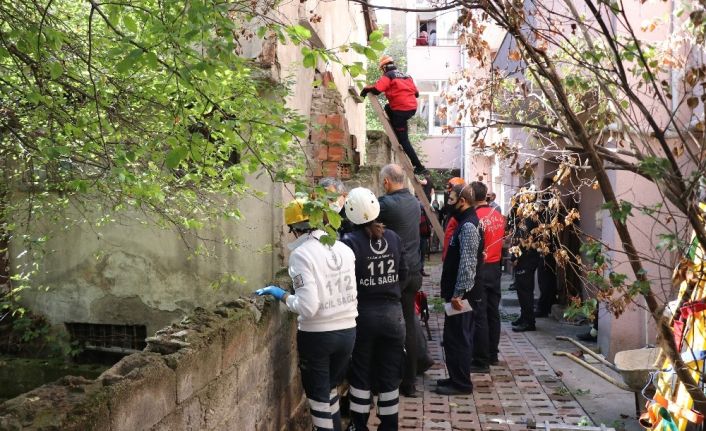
407, 166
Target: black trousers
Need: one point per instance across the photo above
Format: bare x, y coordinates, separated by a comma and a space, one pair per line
376, 365
398, 119
546, 278
423, 248
409, 290
458, 348
487, 314
524, 282
323, 361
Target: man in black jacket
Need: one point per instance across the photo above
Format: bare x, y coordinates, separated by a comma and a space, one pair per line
400, 212
525, 261
458, 278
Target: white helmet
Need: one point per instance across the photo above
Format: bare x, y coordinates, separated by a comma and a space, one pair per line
362, 206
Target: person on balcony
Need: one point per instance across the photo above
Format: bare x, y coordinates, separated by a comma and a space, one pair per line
432, 38
423, 38
402, 97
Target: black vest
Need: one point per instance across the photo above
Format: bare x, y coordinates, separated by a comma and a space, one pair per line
449, 273
378, 266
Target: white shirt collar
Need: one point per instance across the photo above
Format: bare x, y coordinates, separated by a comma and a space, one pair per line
318, 233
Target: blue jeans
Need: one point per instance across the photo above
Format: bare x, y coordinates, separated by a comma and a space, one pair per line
323, 361
378, 357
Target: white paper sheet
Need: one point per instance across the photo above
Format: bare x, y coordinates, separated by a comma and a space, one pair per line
450, 310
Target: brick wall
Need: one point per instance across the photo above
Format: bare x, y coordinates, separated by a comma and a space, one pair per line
331, 146
233, 368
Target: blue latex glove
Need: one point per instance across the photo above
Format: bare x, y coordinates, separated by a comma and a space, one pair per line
271, 290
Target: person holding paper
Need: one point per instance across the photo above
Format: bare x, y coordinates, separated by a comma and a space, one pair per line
457, 280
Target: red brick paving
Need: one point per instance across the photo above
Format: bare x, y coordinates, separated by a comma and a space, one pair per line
522, 389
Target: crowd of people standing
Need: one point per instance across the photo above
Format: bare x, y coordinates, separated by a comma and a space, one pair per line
356, 298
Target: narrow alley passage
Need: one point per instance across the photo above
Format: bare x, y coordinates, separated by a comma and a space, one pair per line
521, 391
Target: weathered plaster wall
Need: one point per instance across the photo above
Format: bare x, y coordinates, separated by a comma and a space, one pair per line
233, 368
479, 168
379, 151
131, 272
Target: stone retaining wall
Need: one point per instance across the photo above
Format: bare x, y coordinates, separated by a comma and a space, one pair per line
233, 368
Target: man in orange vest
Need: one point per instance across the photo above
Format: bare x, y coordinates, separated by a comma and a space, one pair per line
402, 97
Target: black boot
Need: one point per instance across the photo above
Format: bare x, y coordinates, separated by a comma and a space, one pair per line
524, 327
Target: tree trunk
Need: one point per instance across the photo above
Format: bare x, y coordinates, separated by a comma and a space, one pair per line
560, 99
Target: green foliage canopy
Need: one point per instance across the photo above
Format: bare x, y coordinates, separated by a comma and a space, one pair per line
138, 105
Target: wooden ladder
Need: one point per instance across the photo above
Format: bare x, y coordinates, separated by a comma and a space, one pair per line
408, 168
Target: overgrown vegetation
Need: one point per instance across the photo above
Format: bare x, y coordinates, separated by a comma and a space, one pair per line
141, 111
26, 334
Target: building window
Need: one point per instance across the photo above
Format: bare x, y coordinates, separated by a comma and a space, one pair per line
423, 110
426, 33
432, 111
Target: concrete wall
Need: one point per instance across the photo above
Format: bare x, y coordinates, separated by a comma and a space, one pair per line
133, 272
398, 22
442, 152
233, 368
433, 62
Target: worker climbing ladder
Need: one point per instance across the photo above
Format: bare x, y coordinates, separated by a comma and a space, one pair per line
407, 166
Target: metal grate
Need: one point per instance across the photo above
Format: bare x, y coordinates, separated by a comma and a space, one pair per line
108, 336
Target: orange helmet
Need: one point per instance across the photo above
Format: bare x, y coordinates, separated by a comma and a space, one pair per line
455, 181
385, 59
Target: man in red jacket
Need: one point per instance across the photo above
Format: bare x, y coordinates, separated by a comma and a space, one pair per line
401, 96
487, 317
